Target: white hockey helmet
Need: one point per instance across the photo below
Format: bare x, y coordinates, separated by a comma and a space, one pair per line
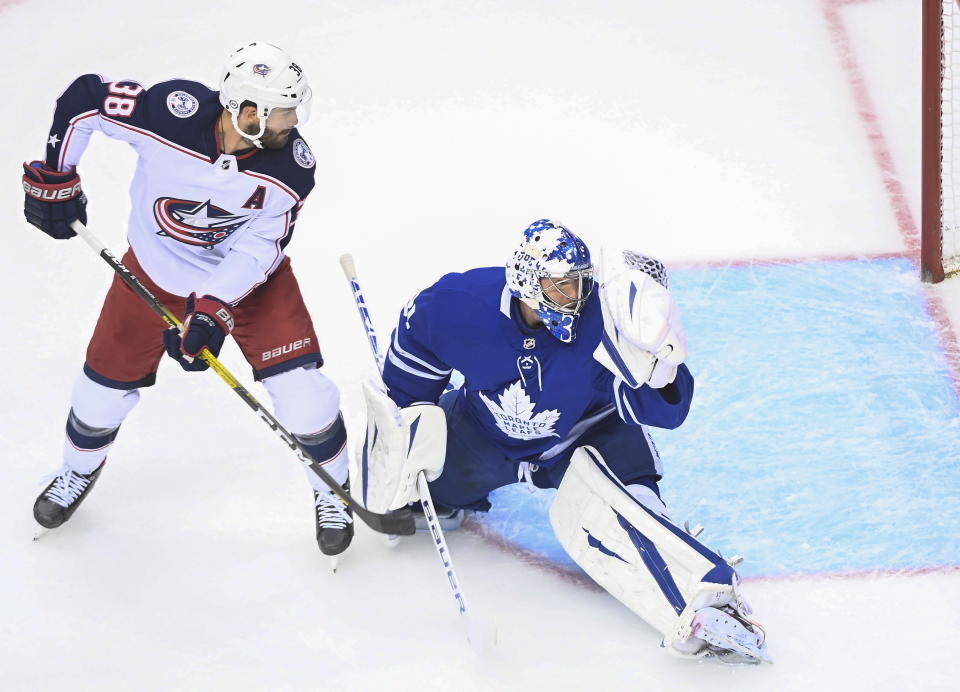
267, 77
551, 251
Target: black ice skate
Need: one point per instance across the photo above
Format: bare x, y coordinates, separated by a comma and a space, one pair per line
62, 497
334, 522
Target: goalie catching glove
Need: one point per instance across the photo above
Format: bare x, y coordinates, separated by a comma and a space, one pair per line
399, 444
643, 336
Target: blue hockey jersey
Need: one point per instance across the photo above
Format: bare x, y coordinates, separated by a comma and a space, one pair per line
525, 388
201, 220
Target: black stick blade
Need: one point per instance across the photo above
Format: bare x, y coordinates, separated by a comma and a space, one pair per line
399, 522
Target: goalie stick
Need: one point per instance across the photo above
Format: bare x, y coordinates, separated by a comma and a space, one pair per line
399, 522
480, 635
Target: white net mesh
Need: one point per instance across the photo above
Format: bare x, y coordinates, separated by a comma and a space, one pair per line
950, 137
648, 265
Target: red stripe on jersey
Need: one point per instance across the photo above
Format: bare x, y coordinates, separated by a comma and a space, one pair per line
276, 182
147, 133
70, 131
219, 141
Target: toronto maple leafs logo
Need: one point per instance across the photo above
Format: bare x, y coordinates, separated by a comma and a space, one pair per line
195, 223
514, 415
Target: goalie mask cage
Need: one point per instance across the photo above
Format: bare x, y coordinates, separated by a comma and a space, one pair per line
940, 141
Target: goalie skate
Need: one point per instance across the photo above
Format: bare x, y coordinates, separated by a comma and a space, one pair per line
730, 637
449, 519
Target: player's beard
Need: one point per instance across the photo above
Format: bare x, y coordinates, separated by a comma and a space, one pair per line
270, 139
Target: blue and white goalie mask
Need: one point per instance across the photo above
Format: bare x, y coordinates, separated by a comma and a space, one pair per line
552, 273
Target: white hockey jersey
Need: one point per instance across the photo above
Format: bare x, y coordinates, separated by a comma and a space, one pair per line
201, 221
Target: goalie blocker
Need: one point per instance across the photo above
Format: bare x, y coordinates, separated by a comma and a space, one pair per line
400, 442
664, 575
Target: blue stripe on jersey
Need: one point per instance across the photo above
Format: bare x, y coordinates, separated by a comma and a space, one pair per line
412, 359
396, 360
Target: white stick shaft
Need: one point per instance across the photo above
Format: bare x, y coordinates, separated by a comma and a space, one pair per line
91, 239
350, 271
439, 542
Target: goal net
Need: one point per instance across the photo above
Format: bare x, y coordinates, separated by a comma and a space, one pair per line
940, 204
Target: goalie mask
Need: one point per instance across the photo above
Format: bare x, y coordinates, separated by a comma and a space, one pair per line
267, 77
551, 252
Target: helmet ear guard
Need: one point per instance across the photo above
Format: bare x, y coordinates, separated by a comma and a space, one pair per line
551, 251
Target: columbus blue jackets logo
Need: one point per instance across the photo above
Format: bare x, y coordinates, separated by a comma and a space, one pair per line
195, 223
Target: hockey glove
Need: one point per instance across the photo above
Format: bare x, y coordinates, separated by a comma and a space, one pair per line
53, 199
399, 445
207, 323
644, 340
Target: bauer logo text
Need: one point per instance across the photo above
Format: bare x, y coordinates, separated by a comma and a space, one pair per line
281, 351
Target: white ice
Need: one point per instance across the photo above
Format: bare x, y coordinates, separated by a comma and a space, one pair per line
710, 131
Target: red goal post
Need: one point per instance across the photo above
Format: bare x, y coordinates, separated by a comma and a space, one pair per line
940, 141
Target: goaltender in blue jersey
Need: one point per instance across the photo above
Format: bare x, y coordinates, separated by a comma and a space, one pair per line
560, 380
529, 390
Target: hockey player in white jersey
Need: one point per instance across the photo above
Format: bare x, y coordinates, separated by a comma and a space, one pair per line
220, 180
560, 382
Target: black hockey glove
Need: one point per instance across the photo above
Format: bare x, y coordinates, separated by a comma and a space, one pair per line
207, 323
53, 200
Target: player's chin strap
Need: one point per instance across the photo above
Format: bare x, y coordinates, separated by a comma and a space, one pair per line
480, 634
253, 138
395, 522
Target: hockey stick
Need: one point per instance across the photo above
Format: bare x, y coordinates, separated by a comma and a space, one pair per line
399, 522
480, 636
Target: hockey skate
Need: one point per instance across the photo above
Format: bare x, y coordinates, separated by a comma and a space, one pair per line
728, 636
60, 499
334, 522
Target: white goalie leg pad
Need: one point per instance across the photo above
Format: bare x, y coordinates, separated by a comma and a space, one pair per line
660, 572
399, 444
